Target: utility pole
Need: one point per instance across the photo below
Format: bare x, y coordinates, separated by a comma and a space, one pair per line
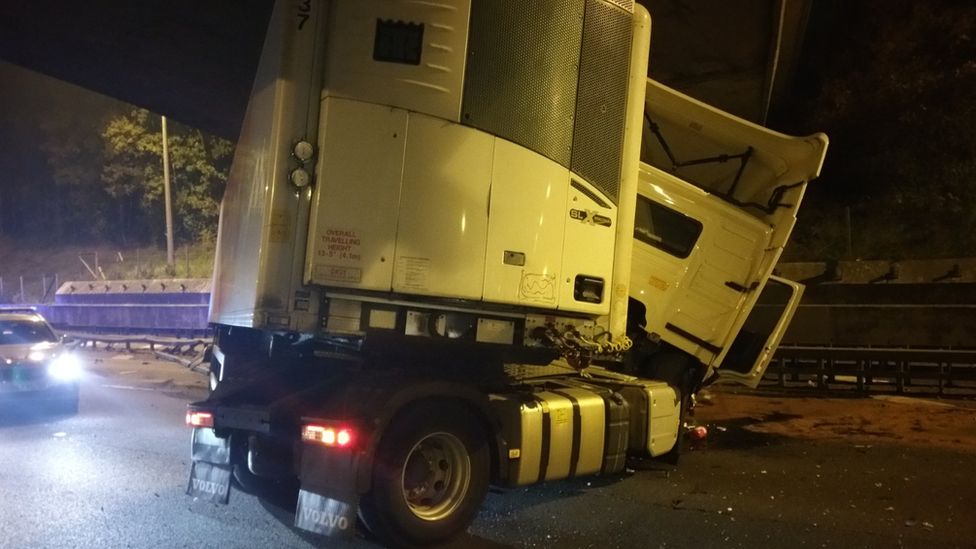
849, 231
169, 201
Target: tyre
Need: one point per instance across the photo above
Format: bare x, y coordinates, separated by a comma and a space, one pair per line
285, 490
429, 477
249, 483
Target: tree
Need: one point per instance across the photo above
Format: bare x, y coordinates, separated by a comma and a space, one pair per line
133, 175
74, 153
892, 83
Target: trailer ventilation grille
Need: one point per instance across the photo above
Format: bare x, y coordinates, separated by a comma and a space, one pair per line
601, 105
522, 71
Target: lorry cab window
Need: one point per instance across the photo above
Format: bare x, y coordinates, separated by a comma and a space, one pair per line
665, 229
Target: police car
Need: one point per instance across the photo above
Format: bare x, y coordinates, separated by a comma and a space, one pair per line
34, 363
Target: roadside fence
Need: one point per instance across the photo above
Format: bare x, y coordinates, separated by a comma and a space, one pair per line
29, 289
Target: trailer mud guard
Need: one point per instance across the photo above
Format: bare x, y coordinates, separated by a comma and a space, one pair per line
211, 470
328, 499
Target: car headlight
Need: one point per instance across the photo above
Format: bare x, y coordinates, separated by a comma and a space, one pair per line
65, 367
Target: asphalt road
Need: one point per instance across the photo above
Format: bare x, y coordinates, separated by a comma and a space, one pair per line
115, 475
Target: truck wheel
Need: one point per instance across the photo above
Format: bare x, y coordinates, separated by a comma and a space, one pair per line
277, 489
429, 478
282, 491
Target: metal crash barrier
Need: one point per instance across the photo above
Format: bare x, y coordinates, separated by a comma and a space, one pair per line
943, 372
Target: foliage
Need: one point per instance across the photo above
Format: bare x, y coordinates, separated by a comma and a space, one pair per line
133, 175
101, 178
894, 91
73, 154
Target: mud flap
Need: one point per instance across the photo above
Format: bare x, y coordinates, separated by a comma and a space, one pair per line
324, 515
206, 446
328, 500
209, 482
211, 469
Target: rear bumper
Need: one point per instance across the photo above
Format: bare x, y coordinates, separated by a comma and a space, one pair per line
252, 419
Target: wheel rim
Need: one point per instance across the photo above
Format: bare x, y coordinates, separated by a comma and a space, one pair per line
435, 476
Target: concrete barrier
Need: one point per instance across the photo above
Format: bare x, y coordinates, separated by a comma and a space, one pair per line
886, 315
131, 306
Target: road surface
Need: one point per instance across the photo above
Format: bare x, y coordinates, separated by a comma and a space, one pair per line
115, 475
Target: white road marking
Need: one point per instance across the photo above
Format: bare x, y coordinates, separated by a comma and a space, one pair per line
129, 388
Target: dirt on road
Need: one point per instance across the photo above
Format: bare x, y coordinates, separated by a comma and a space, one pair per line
861, 420
143, 369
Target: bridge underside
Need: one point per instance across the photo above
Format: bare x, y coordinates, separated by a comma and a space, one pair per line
194, 61
189, 59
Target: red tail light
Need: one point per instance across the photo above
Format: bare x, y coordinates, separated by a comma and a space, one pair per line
199, 419
327, 435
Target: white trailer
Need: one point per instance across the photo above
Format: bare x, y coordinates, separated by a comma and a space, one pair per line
468, 242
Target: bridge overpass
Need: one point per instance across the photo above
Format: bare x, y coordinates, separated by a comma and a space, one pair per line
194, 61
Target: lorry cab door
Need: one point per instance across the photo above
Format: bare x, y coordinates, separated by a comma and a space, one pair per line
759, 337
696, 262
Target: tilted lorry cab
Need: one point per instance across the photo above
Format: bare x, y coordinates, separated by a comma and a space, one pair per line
468, 242
717, 201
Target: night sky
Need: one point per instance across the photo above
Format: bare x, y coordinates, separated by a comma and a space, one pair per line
891, 82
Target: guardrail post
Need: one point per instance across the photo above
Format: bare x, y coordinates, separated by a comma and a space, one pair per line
941, 378
821, 384
861, 376
900, 373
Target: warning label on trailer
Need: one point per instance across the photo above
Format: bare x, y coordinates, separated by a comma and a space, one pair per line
280, 227
412, 273
337, 273
339, 244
